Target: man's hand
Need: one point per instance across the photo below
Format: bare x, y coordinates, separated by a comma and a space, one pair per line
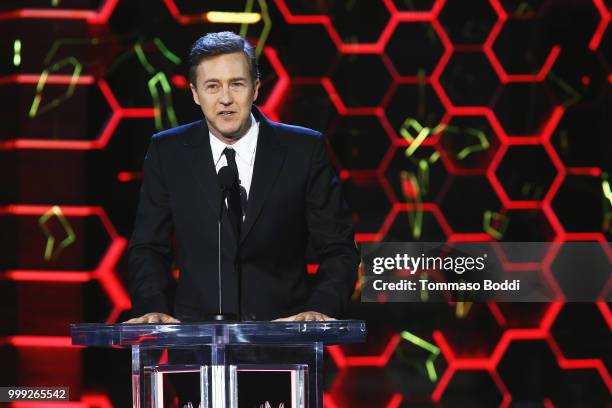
305, 317
153, 318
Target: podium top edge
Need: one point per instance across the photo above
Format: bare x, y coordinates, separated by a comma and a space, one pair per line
184, 334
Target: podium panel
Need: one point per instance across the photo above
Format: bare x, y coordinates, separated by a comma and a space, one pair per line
225, 365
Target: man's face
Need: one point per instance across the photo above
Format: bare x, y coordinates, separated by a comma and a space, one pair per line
225, 92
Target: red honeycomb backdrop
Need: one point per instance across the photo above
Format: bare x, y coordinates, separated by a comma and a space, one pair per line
455, 359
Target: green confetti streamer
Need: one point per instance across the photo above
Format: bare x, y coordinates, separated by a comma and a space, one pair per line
483, 144
265, 32
244, 27
607, 202
166, 52
17, 52
415, 218
76, 73
70, 235
161, 79
495, 232
435, 352
143, 59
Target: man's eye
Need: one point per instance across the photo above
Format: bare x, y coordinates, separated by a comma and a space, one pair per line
238, 84
211, 87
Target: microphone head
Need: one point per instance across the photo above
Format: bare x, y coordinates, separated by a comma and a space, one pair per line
227, 177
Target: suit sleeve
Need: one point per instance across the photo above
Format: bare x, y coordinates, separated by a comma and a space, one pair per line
332, 233
150, 249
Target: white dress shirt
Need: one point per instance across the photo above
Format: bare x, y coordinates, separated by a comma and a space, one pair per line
245, 154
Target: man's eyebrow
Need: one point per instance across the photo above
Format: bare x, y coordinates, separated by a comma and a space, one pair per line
231, 79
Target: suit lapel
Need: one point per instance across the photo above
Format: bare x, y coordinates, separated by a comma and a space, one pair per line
269, 159
198, 156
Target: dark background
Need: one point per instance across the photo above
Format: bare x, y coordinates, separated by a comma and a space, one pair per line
447, 120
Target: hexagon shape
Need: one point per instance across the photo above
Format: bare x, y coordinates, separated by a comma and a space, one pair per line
524, 108
299, 45
475, 334
523, 45
531, 371
45, 130
361, 80
414, 48
422, 167
591, 283
468, 143
71, 258
468, 22
298, 104
526, 172
348, 20
577, 204
463, 212
528, 41
586, 319
416, 101
103, 271
359, 142
469, 79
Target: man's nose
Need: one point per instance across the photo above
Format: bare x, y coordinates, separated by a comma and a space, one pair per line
226, 96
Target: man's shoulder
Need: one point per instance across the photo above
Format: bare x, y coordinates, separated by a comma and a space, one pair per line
177, 132
298, 134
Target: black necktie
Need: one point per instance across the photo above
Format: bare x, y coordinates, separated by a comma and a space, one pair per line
236, 199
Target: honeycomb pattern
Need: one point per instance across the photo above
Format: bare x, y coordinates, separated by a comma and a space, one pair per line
484, 105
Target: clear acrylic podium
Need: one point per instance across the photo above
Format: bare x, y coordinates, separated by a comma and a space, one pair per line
218, 353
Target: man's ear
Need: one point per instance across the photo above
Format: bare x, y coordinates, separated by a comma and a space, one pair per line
256, 91
194, 94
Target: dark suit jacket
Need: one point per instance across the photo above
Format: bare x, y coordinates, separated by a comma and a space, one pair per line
294, 196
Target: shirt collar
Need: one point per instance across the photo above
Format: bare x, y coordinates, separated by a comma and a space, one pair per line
245, 147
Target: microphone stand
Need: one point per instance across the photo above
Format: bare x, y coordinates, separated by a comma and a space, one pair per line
221, 317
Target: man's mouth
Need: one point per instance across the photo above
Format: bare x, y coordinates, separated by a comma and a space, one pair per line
226, 113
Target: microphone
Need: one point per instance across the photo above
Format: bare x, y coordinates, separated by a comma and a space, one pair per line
226, 178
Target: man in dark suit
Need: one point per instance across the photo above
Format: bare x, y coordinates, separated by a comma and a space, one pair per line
285, 194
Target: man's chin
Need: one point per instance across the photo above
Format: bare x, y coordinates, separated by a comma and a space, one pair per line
228, 132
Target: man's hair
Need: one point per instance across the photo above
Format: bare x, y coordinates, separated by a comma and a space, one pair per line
225, 42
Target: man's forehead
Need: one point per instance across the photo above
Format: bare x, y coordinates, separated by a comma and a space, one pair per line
232, 65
